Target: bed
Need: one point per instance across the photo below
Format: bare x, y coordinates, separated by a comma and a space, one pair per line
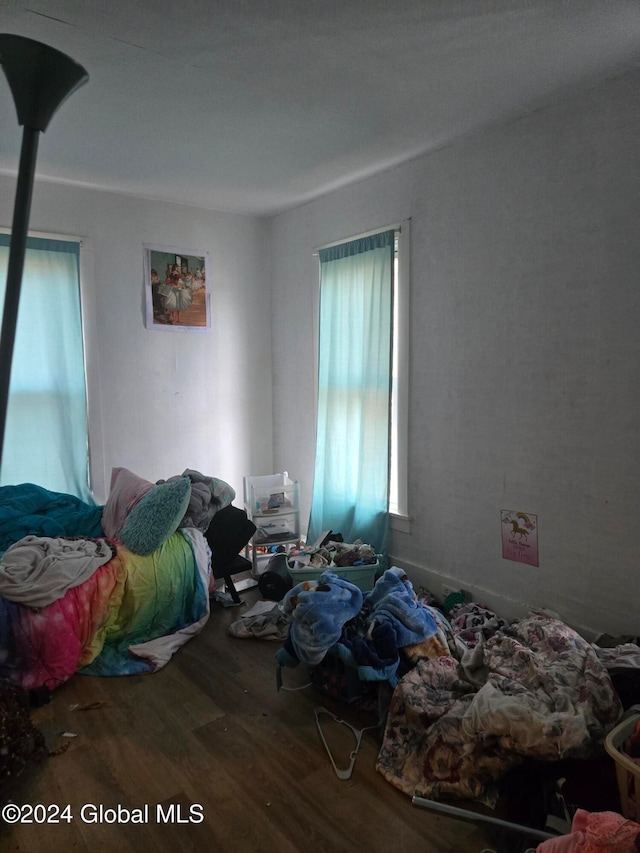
471, 696
104, 590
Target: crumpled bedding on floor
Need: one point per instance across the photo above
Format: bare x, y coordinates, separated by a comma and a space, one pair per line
456, 725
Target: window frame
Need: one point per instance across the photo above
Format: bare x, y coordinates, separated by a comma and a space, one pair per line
399, 511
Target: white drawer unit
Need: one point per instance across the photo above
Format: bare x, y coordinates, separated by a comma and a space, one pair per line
272, 502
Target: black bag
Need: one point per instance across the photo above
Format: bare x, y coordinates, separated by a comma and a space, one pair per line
275, 582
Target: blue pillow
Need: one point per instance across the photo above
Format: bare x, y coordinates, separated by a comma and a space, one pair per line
156, 516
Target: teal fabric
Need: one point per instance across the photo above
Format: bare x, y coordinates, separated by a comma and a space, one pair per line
351, 480
156, 516
30, 510
46, 429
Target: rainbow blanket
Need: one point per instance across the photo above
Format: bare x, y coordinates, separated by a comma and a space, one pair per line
128, 617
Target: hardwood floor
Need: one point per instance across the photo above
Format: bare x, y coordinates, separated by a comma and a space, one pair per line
210, 733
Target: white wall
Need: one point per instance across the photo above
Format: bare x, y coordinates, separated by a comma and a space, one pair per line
525, 352
161, 402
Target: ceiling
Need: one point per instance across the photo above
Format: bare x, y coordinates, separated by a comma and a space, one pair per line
257, 106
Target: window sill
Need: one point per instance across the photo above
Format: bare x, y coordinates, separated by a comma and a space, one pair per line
401, 523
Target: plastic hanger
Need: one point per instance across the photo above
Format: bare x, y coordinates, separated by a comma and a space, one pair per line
357, 733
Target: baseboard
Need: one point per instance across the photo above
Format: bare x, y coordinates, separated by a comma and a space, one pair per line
505, 606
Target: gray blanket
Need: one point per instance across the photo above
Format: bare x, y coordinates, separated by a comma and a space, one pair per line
37, 571
208, 495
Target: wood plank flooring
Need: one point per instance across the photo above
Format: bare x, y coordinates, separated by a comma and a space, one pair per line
211, 734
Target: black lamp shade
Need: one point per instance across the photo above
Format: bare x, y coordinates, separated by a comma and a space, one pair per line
40, 78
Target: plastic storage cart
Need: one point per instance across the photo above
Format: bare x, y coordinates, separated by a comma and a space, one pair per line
272, 502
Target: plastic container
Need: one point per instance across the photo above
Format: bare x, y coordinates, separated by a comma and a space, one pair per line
271, 494
363, 577
627, 771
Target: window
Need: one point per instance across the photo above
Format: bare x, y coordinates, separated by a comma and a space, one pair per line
46, 429
360, 472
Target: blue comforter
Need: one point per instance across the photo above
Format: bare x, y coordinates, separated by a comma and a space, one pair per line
28, 509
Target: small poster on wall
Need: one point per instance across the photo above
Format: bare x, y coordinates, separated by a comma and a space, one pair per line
519, 536
177, 289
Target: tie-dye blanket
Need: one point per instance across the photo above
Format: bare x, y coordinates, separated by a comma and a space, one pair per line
128, 617
533, 689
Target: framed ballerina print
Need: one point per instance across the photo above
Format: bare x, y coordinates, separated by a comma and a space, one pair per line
177, 289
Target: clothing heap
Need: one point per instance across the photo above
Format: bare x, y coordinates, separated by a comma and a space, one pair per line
372, 632
333, 553
208, 496
597, 832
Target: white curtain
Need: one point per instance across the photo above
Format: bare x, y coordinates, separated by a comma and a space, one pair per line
46, 430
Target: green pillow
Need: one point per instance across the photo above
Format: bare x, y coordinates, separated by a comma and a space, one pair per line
156, 516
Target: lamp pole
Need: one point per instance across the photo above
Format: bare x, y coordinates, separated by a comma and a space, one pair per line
40, 78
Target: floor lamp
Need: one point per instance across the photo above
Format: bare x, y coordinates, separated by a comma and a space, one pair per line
40, 79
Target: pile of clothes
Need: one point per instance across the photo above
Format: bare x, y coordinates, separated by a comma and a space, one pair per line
596, 832
377, 633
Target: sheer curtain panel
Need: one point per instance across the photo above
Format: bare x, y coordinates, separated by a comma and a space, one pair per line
351, 480
46, 429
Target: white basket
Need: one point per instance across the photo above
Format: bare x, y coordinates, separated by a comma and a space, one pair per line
627, 771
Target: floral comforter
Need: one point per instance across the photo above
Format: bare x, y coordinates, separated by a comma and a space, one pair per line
456, 725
